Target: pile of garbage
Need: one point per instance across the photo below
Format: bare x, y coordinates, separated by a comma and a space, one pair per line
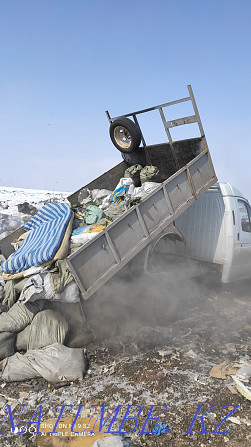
43, 331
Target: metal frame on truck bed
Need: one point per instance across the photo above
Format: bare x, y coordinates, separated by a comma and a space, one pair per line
186, 172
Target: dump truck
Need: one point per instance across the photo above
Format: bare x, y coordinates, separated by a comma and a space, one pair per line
186, 173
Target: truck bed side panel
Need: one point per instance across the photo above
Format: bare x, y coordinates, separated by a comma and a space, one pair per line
101, 258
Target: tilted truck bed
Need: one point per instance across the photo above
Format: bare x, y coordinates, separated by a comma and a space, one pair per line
186, 171
102, 257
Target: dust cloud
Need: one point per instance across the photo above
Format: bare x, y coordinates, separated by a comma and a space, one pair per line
154, 297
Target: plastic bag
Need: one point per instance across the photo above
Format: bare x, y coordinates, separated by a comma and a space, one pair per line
93, 214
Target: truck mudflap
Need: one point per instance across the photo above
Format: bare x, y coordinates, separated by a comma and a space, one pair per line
101, 258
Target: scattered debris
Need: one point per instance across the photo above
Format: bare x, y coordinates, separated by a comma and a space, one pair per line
223, 370
245, 391
165, 353
192, 354
235, 420
23, 394
232, 389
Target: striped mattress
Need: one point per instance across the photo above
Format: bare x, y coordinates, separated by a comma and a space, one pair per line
48, 228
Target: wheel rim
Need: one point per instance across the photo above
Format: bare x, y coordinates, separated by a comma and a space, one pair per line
122, 137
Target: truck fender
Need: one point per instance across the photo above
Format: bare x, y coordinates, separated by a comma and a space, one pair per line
172, 233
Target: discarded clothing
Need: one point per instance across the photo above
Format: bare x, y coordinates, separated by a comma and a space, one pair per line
54, 363
34, 270
48, 229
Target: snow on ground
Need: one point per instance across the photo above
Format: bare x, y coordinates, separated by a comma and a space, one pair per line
13, 196
10, 217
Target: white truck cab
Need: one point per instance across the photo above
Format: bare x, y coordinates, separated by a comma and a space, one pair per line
217, 228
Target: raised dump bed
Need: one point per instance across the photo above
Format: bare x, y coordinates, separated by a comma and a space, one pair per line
186, 172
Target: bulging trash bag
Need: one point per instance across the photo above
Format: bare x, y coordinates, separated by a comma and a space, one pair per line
85, 197
115, 210
54, 363
149, 174
19, 316
133, 172
7, 343
47, 327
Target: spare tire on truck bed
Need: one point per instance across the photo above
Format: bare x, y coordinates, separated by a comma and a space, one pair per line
125, 135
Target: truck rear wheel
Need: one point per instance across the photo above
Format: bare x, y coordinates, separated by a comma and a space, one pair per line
125, 135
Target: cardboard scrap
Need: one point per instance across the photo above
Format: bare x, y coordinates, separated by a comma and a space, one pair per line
232, 389
223, 370
23, 394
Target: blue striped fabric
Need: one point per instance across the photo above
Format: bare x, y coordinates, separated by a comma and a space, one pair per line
48, 228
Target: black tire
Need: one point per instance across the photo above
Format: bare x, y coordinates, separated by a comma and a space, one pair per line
125, 135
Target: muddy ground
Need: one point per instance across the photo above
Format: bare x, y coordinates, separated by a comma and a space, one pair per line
156, 362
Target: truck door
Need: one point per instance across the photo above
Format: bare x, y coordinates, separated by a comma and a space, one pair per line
244, 239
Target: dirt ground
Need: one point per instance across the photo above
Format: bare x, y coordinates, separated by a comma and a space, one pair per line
155, 364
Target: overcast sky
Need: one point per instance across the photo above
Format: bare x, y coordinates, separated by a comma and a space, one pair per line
64, 62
